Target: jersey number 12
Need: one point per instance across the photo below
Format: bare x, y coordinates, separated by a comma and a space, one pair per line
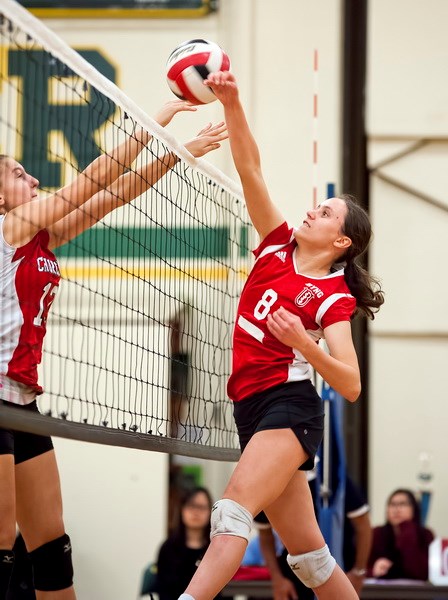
44, 304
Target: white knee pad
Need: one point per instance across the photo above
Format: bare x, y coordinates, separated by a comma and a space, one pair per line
313, 568
230, 518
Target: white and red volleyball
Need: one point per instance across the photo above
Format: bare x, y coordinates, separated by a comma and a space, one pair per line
190, 64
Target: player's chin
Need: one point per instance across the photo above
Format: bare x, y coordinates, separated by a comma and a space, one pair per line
299, 232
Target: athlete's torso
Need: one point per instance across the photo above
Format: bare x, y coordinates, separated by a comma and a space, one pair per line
29, 277
260, 361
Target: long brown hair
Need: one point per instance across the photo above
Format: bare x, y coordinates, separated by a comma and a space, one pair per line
363, 286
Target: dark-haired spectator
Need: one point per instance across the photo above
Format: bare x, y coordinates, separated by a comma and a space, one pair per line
400, 547
180, 555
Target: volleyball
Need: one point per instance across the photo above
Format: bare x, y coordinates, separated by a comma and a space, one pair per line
189, 65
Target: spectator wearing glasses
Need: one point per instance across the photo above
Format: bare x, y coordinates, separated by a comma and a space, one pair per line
180, 555
400, 547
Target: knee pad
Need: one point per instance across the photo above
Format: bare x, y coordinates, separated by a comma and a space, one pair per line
313, 568
230, 518
52, 565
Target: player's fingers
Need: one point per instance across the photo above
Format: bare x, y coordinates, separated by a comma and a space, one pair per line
214, 131
287, 316
181, 105
215, 138
278, 316
219, 127
273, 324
205, 129
219, 136
208, 148
221, 77
211, 79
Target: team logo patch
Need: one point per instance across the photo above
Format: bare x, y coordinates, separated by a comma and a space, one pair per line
309, 292
304, 297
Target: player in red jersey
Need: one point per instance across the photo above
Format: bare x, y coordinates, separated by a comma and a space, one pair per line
29, 277
295, 294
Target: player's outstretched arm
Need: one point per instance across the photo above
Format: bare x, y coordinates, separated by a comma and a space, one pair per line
263, 213
24, 221
129, 186
106, 169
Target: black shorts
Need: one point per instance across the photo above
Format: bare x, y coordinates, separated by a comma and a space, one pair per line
21, 444
295, 405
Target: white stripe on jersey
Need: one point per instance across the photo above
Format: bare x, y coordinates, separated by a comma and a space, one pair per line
300, 369
15, 392
251, 329
326, 305
11, 317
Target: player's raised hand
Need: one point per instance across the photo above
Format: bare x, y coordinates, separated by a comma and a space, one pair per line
171, 108
207, 139
224, 86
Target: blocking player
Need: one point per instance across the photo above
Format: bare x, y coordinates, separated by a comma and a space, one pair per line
30, 228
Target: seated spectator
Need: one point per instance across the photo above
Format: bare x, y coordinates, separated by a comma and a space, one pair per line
400, 547
180, 555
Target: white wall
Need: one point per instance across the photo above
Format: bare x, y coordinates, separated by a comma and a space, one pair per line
407, 101
115, 506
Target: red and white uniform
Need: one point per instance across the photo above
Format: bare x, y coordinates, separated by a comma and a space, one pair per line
29, 278
260, 361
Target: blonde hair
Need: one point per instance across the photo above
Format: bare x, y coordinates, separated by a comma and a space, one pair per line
3, 157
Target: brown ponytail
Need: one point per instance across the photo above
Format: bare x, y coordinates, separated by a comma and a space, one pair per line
363, 286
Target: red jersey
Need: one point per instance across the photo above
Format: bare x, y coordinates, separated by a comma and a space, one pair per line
29, 278
260, 361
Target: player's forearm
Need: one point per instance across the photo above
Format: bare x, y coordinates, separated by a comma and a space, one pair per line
82, 218
267, 546
246, 155
363, 543
124, 155
121, 192
133, 184
103, 171
342, 377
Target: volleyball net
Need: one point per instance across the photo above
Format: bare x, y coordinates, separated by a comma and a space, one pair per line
139, 336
